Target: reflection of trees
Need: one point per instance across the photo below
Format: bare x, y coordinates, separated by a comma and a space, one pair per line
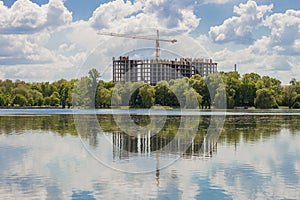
88, 128
251, 128
247, 128
60, 124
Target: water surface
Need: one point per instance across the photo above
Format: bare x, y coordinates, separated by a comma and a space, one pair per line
256, 156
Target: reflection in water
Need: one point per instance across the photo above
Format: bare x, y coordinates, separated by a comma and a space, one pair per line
257, 157
236, 128
142, 145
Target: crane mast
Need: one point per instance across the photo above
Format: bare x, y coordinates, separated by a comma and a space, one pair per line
157, 50
157, 40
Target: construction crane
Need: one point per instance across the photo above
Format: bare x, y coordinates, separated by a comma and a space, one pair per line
157, 39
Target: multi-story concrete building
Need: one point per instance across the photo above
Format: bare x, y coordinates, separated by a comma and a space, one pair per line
153, 71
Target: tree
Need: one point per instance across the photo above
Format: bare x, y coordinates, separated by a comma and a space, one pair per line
248, 89
132, 93
147, 93
117, 93
289, 95
192, 99
213, 82
220, 98
81, 93
232, 86
296, 103
178, 87
265, 99
2, 100
37, 98
273, 85
19, 100
198, 83
51, 101
94, 75
162, 93
103, 97
63, 91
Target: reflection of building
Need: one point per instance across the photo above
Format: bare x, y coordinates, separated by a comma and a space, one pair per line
153, 71
124, 145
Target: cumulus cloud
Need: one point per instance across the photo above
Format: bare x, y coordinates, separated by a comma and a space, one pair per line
130, 16
216, 1
113, 11
23, 47
42, 42
25, 17
239, 28
285, 31
25, 31
57, 14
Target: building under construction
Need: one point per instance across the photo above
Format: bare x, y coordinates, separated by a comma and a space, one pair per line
153, 71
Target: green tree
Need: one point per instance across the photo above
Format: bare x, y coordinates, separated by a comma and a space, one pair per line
198, 83
134, 90
192, 99
103, 97
2, 100
213, 82
178, 87
162, 93
265, 99
220, 97
273, 85
64, 90
94, 75
81, 93
296, 103
147, 93
289, 96
232, 86
19, 100
36, 98
248, 89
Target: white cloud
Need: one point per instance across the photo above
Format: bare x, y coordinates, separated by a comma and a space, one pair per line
103, 17
258, 58
46, 45
273, 54
217, 1
2, 75
57, 14
239, 28
140, 14
25, 31
26, 17
33, 36
285, 31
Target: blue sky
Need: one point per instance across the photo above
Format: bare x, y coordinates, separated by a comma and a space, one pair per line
45, 40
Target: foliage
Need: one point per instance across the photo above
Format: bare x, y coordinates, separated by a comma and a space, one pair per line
19, 100
265, 99
221, 90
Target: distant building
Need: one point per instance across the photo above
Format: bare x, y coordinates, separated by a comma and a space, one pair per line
153, 71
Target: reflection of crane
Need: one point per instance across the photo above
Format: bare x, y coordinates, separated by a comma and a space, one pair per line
157, 39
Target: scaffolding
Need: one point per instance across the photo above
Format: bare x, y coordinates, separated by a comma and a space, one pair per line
153, 71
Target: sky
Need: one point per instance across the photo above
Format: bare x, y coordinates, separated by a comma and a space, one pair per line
43, 40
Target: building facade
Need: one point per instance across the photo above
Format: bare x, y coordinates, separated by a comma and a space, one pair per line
153, 71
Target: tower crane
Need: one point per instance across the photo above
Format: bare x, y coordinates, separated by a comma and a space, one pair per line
157, 39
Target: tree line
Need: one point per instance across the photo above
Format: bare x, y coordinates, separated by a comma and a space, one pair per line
229, 89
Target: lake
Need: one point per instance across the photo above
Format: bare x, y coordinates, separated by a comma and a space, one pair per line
149, 154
